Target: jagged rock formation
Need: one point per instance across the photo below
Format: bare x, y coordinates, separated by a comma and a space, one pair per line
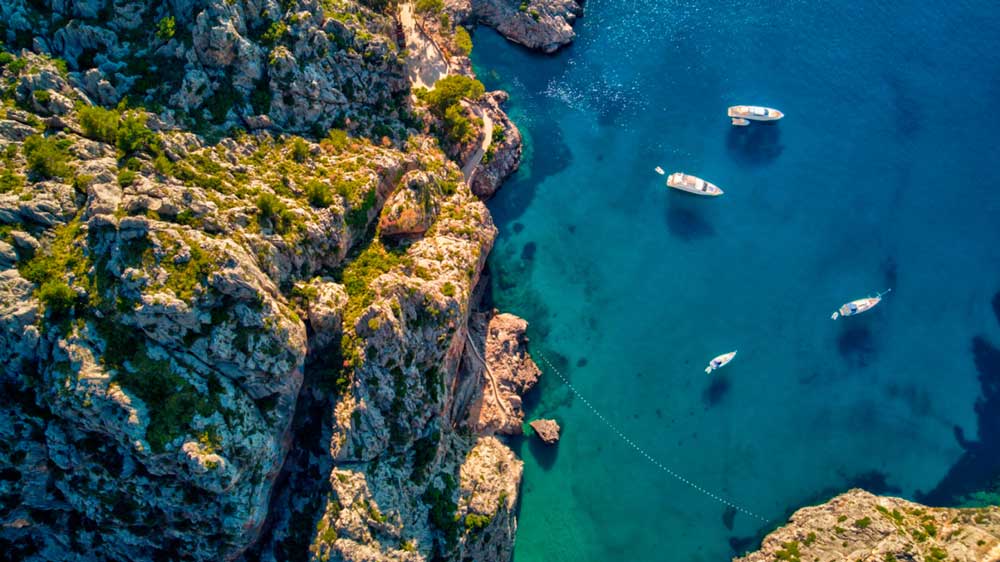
860, 526
498, 359
237, 344
545, 25
546, 430
503, 156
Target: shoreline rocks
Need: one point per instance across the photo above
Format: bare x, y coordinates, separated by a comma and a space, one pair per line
542, 25
858, 525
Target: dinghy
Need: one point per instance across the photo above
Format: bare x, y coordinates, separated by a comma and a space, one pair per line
720, 361
659, 170
858, 306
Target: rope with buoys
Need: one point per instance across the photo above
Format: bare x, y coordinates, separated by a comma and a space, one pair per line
642, 451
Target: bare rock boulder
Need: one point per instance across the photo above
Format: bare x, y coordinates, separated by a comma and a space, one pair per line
547, 430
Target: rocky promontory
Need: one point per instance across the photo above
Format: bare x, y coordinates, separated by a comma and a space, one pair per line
861, 526
544, 25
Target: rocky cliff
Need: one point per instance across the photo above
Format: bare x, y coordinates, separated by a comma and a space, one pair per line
223, 339
543, 25
860, 526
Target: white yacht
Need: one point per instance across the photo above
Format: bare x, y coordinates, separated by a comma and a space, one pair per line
858, 306
692, 184
720, 361
743, 114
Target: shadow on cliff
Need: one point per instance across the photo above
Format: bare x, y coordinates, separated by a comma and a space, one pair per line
755, 145
684, 219
978, 468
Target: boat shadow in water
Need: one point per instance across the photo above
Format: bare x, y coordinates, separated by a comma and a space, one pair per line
856, 345
684, 217
978, 469
716, 391
755, 145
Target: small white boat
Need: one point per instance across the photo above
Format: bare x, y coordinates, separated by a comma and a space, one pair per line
720, 361
858, 306
659, 170
753, 113
692, 184
740, 122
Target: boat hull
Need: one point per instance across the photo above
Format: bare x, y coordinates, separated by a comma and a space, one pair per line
720, 361
747, 112
693, 185
856, 307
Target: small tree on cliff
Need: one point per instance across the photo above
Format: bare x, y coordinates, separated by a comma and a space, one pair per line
450, 90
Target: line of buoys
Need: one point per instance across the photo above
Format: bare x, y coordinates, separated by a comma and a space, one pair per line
642, 451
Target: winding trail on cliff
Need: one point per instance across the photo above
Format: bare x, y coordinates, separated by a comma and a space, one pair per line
489, 374
425, 63
469, 169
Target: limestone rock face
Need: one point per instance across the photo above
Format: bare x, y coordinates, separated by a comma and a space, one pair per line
213, 340
226, 60
545, 25
858, 525
547, 430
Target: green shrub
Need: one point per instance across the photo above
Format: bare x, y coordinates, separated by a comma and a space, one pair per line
463, 42
274, 212
338, 139
300, 150
275, 33
126, 177
319, 194
42, 96
863, 523
133, 134
100, 124
166, 28
6, 58
475, 521
9, 181
17, 65
457, 126
58, 297
47, 157
448, 289
429, 7
450, 90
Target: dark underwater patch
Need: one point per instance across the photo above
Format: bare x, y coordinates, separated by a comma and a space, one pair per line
755, 145
856, 346
528, 251
728, 516
907, 112
716, 391
687, 224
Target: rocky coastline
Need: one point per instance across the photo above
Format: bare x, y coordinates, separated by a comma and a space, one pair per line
858, 525
242, 287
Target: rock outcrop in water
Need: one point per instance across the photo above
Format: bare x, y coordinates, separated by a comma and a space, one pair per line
222, 340
860, 526
544, 25
547, 431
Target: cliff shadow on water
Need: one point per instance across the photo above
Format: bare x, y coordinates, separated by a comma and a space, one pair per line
975, 477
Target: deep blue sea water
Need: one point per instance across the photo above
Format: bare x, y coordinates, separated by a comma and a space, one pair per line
885, 173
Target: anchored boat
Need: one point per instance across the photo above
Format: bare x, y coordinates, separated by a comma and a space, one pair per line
692, 184
720, 361
743, 114
659, 170
858, 306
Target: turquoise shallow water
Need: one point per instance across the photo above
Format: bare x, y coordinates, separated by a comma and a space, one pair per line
883, 174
